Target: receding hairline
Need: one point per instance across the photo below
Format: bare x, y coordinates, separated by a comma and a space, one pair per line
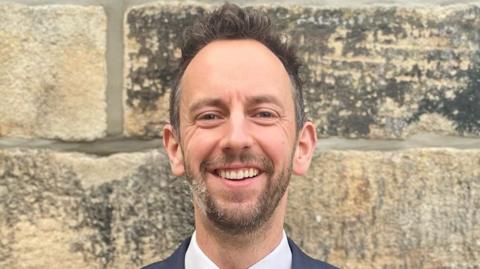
256, 45
226, 46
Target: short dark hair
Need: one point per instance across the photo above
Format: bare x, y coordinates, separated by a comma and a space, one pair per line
232, 22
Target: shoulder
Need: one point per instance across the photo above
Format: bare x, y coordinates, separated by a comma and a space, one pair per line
175, 261
301, 260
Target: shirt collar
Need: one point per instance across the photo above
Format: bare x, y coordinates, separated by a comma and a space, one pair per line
280, 257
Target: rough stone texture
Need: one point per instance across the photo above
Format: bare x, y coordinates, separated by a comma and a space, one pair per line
379, 72
52, 71
66, 210
413, 209
152, 36
402, 209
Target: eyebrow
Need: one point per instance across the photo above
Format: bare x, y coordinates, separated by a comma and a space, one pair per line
261, 99
216, 102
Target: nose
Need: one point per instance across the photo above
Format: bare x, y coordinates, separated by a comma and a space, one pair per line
237, 135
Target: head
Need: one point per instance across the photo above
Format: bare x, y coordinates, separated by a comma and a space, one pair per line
237, 127
231, 22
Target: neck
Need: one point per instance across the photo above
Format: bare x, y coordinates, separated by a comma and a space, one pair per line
242, 250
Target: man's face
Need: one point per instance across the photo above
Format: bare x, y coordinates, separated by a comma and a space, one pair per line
237, 133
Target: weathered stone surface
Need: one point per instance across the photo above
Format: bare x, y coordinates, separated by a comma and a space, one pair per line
379, 72
153, 33
412, 209
52, 71
66, 210
401, 209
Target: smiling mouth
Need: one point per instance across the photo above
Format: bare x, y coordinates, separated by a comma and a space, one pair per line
237, 174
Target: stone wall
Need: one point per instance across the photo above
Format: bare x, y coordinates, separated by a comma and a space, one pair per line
393, 87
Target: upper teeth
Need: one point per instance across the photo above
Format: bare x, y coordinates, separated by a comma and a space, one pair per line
238, 173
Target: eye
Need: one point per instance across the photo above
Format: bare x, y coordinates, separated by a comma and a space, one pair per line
264, 114
209, 119
208, 116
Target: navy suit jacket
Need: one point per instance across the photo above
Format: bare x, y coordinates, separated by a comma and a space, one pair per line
300, 260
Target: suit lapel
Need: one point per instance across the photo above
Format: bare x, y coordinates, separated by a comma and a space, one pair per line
300, 260
177, 259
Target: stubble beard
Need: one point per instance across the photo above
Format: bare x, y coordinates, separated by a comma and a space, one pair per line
239, 220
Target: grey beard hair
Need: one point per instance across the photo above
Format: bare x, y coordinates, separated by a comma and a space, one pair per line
229, 222
199, 193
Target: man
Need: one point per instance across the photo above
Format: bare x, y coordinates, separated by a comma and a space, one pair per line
237, 131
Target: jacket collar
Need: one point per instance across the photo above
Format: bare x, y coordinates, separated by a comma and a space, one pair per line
299, 259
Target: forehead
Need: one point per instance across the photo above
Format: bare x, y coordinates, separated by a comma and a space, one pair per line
240, 66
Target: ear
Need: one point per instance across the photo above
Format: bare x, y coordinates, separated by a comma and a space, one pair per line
172, 146
306, 144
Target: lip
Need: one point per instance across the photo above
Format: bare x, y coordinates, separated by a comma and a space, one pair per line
236, 183
214, 170
236, 166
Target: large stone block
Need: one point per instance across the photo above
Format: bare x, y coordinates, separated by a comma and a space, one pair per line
67, 210
412, 209
52, 71
416, 208
378, 72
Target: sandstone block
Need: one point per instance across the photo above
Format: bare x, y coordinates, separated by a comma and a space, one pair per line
416, 208
376, 72
68, 210
52, 71
412, 209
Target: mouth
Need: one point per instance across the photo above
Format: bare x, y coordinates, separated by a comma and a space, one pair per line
237, 174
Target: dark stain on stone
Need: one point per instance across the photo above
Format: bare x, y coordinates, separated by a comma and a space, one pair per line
396, 90
149, 211
158, 35
348, 116
98, 211
354, 37
463, 109
356, 124
388, 22
157, 214
415, 71
307, 25
311, 30
370, 95
32, 183
36, 186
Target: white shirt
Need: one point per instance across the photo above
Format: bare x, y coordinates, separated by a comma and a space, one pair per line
279, 258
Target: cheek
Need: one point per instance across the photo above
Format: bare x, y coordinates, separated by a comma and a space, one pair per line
275, 143
199, 145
